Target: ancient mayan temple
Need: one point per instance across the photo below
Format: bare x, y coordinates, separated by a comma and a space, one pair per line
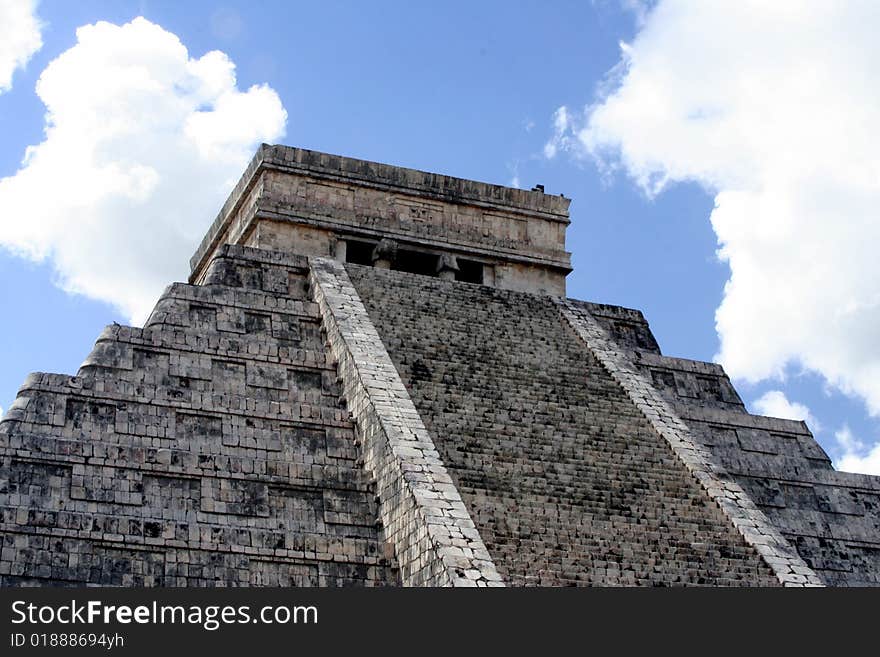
373, 377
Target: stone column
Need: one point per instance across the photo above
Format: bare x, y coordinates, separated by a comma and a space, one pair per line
385, 254
447, 266
340, 250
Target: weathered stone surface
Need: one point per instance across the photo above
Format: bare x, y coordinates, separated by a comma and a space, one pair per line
424, 518
831, 518
288, 420
567, 481
754, 527
206, 449
292, 199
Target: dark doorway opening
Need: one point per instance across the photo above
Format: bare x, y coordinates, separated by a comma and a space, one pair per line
416, 262
359, 253
469, 271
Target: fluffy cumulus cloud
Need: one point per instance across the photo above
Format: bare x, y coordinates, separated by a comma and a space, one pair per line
856, 455
142, 144
774, 403
19, 37
774, 107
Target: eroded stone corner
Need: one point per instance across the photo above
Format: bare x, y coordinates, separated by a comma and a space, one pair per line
789, 568
425, 520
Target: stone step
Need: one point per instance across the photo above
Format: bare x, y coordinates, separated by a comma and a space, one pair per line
119, 345
210, 447
91, 411
71, 560
560, 471
312, 471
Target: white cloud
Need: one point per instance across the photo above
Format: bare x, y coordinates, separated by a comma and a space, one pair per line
774, 403
560, 140
856, 455
19, 37
142, 144
774, 107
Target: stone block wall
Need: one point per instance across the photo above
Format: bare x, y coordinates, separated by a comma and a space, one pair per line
831, 517
306, 202
209, 448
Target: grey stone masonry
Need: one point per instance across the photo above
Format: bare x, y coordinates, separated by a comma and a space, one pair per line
567, 481
446, 417
777, 552
832, 518
434, 538
311, 203
207, 449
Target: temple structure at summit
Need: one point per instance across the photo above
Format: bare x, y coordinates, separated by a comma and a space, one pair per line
373, 377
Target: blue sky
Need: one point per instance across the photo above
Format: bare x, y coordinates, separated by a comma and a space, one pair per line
675, 128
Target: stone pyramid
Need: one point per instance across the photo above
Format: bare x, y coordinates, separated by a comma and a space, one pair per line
374, 378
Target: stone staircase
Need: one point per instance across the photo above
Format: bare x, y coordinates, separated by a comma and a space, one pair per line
832, 518
565, 479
